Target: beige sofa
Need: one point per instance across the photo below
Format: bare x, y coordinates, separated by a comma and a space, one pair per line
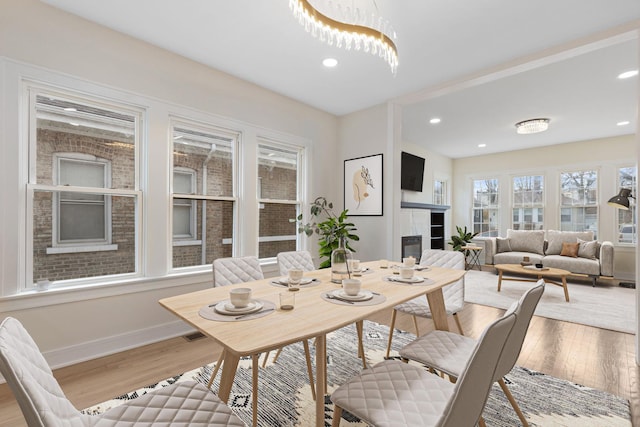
594, 259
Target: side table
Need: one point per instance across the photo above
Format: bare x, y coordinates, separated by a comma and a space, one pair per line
472, 256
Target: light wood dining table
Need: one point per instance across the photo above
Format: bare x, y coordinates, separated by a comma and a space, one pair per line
312, 317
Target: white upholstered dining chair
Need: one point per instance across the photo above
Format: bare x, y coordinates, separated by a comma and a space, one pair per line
448, 352
294, 259
229, 271
453, 293
393, 393
44, 404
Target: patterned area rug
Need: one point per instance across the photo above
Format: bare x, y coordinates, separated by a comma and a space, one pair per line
285, 396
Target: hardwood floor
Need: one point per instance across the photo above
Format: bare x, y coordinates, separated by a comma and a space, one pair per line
593, 357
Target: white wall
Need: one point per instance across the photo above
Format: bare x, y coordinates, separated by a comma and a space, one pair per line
603, 155
365, 133
79, 325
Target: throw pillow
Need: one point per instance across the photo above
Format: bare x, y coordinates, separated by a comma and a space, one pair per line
557, 238
503, 245
587, 249
570, 249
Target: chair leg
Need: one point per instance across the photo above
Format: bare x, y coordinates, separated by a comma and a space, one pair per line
266, 357
307, 355
393, 323
415, 324
457, 319
513, 402
254, 388
359, 329
215, 370
275, 358
337, 414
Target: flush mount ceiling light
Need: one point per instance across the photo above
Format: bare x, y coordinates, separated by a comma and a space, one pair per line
435, 120
532, 126
330, 62
628, 74
351, 27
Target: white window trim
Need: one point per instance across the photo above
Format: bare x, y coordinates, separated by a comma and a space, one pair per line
187, 239
79, 245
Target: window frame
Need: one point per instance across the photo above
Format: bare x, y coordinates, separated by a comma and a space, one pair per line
489, 207
536, 208
632, 208
234, 137
179, 240
583, 206
300, 151
30, 91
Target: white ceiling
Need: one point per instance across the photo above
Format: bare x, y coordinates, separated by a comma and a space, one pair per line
438, 42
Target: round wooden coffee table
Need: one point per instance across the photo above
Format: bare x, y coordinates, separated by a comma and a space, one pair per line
540, 274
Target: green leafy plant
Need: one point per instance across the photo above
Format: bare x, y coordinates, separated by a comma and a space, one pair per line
331, 229
462, 239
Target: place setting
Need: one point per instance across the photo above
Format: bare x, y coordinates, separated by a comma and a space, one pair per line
406, 275
351, 293
239, 306
295, 280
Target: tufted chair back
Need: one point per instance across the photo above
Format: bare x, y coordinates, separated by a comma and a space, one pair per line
295, 259
453, 293
38, 393
228, 271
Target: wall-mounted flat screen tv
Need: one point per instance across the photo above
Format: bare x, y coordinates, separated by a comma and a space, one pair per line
411, 172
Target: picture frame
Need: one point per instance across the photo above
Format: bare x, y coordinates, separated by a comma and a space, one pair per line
363, 192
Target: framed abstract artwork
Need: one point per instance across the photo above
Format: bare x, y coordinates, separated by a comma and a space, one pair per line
363, 185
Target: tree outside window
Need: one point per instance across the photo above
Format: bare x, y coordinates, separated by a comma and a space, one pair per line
627, 227
579, 201
528, 203
485, 207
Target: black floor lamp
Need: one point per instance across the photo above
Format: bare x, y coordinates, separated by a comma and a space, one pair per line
621, 201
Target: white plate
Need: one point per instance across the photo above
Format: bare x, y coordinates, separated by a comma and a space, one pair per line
225, 307
304, 281
362, 295
414, 279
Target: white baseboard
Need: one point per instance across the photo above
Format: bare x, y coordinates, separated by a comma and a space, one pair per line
104, 347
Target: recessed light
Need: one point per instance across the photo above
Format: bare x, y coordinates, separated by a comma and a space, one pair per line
482, 145
623, 123
435, 120
628, 74
330, 62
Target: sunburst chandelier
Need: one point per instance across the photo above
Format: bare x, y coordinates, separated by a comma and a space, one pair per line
352, 28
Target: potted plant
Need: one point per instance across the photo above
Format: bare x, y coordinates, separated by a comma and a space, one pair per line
462, 239
331, 230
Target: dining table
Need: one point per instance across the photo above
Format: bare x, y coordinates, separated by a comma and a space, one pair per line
314, 315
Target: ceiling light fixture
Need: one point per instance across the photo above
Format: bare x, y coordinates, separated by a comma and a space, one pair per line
435, 121
532, 126
330, 62
354, 28
628, 74
482, 145
623, 123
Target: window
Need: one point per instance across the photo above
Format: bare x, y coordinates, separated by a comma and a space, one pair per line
439, 192
184, 210
528, 203
83, 219
279, 197
579, 201
485, 207
203, 193
627, 178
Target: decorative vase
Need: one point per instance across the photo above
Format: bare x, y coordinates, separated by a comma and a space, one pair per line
339, 265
